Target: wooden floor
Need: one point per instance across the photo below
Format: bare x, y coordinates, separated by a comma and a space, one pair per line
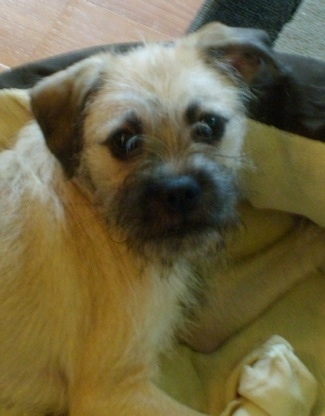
34, 29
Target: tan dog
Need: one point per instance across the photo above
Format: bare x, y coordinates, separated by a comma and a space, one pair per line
100, 238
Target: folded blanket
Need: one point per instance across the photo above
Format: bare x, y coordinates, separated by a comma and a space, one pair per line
288, 172
254, 373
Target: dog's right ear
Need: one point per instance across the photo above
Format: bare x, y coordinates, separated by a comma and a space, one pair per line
58, 102
242, 52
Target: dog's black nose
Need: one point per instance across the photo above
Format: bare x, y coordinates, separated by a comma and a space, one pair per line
178, 194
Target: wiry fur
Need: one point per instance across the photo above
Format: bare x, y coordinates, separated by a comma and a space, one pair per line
94, 277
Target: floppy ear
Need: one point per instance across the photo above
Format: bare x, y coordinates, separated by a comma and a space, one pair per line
57, 103
244, 52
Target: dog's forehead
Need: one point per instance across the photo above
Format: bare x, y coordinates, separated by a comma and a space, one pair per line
163, 81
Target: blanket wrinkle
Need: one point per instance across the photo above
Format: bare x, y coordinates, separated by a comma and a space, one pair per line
288, 172
272, 381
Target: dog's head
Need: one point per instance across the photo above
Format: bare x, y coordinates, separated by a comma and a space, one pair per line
156, 134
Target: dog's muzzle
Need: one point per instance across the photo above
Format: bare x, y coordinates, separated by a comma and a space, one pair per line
162, 207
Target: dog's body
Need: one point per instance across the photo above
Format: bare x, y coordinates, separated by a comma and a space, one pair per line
101, 300
100, 242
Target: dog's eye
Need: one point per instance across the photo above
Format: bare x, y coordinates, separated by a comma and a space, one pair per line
124, 143
210, 128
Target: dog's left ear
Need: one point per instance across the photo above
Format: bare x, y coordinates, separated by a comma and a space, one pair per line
57, 103
241, 51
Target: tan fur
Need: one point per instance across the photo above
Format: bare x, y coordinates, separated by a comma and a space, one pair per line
58, 258
84, 314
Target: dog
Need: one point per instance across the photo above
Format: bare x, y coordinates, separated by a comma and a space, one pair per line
112, 203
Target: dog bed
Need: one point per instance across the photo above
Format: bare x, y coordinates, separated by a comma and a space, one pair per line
255, 373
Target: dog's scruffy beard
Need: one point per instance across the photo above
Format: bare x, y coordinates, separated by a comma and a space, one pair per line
164, 215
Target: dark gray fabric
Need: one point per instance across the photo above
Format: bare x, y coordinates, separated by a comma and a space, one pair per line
269, 15
295, 100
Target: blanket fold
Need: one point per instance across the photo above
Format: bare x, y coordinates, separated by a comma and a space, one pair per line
274, 382
287, 172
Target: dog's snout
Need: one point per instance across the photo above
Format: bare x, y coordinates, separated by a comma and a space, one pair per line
180, 193
177, 194
159, 205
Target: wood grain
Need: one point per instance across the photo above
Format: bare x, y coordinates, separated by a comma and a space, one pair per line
165, 16
34, 29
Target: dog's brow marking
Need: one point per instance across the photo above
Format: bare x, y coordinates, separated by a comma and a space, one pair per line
192, 112
131, 119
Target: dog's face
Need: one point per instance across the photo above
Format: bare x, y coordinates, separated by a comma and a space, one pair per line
155, 135
162, 141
